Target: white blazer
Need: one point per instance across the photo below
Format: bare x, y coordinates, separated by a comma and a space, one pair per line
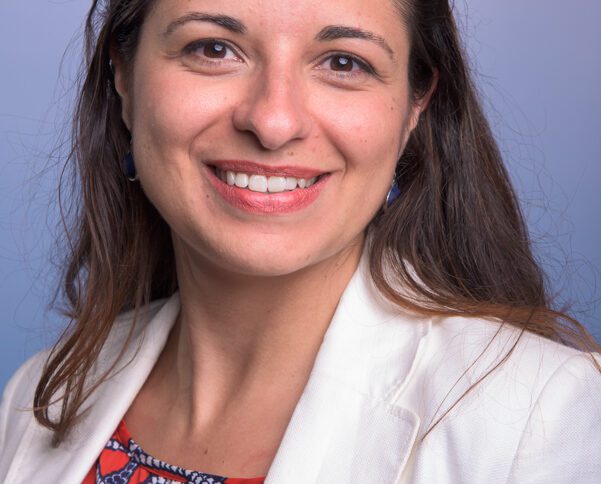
380, 380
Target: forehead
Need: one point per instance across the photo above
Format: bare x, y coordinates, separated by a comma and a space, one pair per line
292, 17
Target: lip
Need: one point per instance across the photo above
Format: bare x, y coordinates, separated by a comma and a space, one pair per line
267, 203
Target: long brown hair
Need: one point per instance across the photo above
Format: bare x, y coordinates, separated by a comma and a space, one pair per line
456, 236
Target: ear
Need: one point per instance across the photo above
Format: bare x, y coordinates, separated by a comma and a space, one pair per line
420, 104
121, 78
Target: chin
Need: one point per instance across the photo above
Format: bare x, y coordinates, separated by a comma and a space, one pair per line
254, 256
258, 253
268, 262
277, 261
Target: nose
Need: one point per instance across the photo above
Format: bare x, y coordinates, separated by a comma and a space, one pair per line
274, 110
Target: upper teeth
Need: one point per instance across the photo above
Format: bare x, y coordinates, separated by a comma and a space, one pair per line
262, 183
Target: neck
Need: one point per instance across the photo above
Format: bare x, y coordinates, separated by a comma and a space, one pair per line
238, 334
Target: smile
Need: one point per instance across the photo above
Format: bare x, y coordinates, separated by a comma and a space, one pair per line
263, 183
266, 190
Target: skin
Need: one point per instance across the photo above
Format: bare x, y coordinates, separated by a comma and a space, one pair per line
258, 290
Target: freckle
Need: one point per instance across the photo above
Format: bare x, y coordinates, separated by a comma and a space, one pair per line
206, 451
291, 153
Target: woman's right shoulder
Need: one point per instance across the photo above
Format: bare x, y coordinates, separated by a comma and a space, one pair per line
16, 408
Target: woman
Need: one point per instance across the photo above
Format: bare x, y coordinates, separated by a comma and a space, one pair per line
341, 281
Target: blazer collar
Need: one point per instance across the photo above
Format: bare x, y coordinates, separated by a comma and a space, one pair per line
345, 427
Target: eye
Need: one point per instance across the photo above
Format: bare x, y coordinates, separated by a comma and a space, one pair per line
346, 66
343, 63
211, 51
214, 50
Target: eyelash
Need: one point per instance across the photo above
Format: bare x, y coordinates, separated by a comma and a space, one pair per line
364, 67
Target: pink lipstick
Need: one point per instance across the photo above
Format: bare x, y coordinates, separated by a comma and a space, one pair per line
244, 185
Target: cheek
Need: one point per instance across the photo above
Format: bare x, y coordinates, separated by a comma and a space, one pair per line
367, 129
170, 110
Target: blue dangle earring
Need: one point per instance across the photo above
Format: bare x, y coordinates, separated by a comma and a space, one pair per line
393, 194
130, 167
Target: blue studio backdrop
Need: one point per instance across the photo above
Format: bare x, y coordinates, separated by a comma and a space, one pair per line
537, 65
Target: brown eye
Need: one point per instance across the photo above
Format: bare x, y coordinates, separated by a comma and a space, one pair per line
211, 55
215, 50
341, 63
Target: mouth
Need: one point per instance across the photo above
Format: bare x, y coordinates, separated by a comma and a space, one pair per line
264, 190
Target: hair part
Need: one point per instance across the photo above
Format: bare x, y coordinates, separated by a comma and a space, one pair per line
456, 238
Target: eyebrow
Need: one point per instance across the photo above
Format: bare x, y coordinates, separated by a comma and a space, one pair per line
333, 32
225, 21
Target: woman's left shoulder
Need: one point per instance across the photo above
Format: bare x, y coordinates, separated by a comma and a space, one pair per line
514, 404
480, 346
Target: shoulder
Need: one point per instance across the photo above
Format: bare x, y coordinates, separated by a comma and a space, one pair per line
16, 409
478, 345
17, 399
510, 403
562, 435
512, 366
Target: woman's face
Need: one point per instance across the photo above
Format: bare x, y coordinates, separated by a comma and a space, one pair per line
270, 95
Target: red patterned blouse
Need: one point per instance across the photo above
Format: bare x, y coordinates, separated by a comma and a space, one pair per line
122, 461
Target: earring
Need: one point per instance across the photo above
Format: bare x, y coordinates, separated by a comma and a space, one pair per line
129, 167
393, 194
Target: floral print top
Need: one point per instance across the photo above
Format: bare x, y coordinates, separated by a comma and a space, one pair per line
122, 461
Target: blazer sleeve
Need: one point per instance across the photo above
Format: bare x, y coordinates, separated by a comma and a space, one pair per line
561, 442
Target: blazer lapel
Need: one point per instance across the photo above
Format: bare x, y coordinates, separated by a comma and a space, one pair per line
345, 427
38, 461
339, 435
